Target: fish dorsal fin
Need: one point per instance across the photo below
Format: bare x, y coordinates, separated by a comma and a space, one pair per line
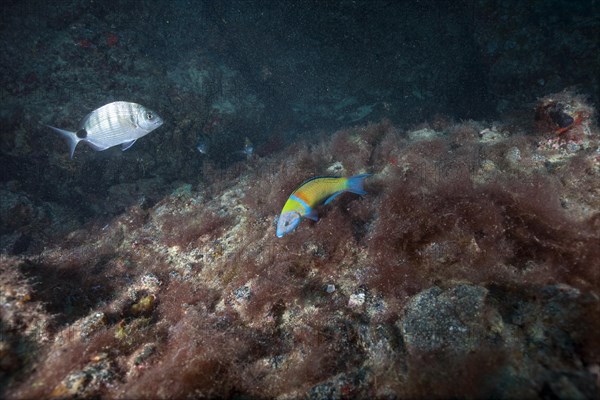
126, 145
84, 120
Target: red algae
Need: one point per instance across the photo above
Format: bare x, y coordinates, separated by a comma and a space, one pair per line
197, 297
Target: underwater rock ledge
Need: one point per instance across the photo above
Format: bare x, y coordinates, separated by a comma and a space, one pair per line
469, 269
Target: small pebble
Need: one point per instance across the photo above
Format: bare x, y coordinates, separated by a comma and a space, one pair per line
336, 168
356, 300
488, 165
513, 155
573, 147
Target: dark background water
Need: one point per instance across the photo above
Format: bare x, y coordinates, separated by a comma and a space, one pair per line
273, 72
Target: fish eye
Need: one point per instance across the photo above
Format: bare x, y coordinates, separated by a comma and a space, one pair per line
149, 116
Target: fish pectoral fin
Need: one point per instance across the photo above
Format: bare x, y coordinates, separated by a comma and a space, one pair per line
126, 145
333, 196
312, 215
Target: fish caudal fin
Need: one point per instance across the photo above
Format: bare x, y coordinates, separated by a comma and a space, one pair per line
355, 183
71, 138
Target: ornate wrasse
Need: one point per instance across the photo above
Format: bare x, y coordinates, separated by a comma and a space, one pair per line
115, 123
311, 193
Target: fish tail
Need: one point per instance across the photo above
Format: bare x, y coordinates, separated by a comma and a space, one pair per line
355, 183
71, 138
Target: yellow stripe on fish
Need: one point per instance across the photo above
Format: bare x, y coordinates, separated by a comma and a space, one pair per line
311, 193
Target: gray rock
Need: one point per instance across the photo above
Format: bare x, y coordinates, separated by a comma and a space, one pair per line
452, 320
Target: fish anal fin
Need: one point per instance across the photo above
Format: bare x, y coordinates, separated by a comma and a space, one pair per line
95, 146
333, 196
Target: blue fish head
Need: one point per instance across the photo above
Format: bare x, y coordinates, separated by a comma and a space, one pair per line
288, 221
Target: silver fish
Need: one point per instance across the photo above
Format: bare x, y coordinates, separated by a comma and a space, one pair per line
202, 148
115, 123
248, 149
203, 144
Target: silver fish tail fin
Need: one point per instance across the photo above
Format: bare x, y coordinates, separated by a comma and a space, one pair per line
355, 183
71, 138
